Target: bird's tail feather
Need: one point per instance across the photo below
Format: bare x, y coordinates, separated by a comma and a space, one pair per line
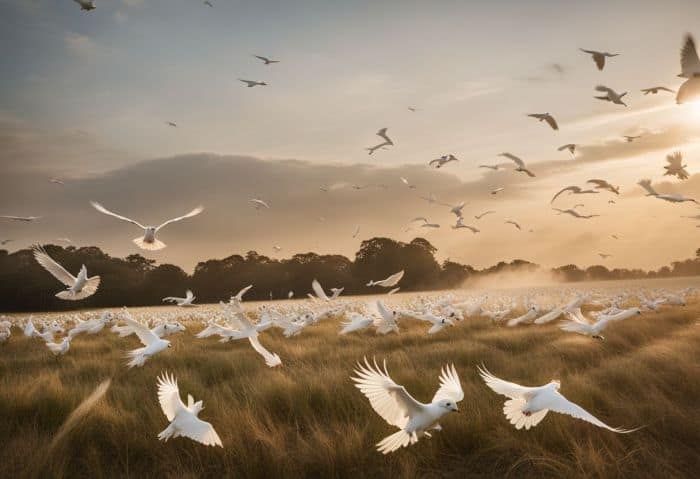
138, 359
88, 290
166, 433
155, 245
513, 410
395, 441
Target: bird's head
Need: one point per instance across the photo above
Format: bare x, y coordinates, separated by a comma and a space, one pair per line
556, 383
449, 405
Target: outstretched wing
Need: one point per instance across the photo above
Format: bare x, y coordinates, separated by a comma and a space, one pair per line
146, 336
646, 184
58, 271
271, 360
192, 213
388, 399
551, 122
690, 63
105, 211
200, 431
450, 386
320, 293
558, 403
568, 188
502, 387
514, 158
169, 396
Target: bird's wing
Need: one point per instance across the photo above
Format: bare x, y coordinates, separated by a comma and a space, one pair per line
450, 386
320, 293
386, 314
383, 134
388, 399
690, 63
189, 294
568, 188
105, 211
169, 396
551, 122
590, 52
558, 403
514, 158
502, 387
270, 359
145, 335
599, 183
393, 279
261, 58
200, 431
646, 184
192, 213
604, 89
58, 271
675, 159
528, 172
436, 160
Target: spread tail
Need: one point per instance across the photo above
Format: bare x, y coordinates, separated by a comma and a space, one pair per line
396, 441
155, 245
513, 410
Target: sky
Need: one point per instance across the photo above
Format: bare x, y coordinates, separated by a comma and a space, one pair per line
85, 97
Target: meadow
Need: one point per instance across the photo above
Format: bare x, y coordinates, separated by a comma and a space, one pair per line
306, 419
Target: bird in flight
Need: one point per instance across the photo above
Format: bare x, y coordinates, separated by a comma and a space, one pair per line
604, 185
183, 418
258, 203
182, 302
569, 146
495, 191
252, 83
389, 282
56, 181
405, 182
412, 109
26, 219
479, 216
630, 139
208, 3
673, 198
545, 117
171, 123
520, 164
574, 213
572, 190
690, 69
675, 166
86, 5
491, 167
266, 60
443, 160
599, 57
655, 90
511, 222
527, 406
604, 255
610, 95
148, 241
382, 133
79, 287
398, 408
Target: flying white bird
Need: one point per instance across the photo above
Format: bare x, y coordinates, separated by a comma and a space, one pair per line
252, 83
528, 316
59, 349
79, 287
599, 57
86, 5
148, 241
208, 4
573, 190
356, 232
528, 406
258, 203
248, 330
171, 123
26, 219
545, 117
151, 342
495, 191
405, 182
604, 255
579, 324
321, 294
266, 60
182, 302
491, 167
356, 322
675, 166
56, 181
610, 95
183, 419
239, 296
673, 198
389, 282
398, 408
520, 164
690, 69
442, 161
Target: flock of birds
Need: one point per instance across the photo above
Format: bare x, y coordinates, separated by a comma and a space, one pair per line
525, 407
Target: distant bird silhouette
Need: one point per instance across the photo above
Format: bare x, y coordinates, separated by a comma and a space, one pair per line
655, 90
86, 5
574, 190
604, 185
574, 213
510, 222
675, 166
266, 60
610, 95
599, 57
673, 198
690, 69
520, 164
26, 219
481, 215
545, 117
252, 83
569, 146
171, 123
460, 224
630, 139
442, 161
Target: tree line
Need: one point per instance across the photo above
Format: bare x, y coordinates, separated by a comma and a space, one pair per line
139, 281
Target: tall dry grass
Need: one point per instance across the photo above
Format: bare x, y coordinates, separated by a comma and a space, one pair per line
305, 419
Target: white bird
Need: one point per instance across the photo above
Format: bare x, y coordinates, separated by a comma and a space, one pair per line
148, 241
519, 164
258, 203
405, 182
182, 302
690, 69
491, 167
152, 343
171, 123
528, 316
386, 321
460, 224
86, 5
276, 248
442, 161
321, 294
599, 57
79, 287
547, 118
610, 95
208, 4
398, 408
438, 322
26, 219
575, 190
527, 406
92, 326
389, 282
252, 83
495, 191
356, 232
578, 324
266, 60
59, 349
248, 330
630, 139
356, 322
673, 198
238, 297
183, 419
675, 166
56, 181
604, 255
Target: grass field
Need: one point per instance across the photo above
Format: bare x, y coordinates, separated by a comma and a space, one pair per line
305, 418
